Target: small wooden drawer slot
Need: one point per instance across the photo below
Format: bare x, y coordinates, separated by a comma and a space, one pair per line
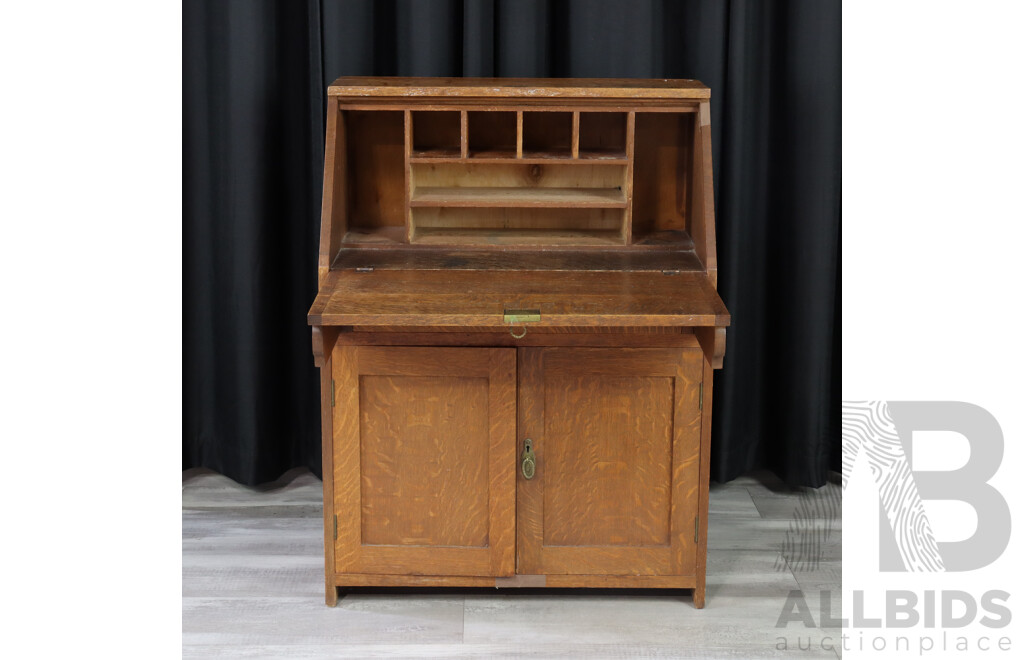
436, 133
370, 183
492, 134
547, 134
602, 135
665, 166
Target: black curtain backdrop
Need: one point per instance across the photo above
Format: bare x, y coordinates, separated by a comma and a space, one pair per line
255, 76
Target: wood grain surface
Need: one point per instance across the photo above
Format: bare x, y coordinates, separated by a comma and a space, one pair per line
602, 132
346, 580
712, 340
608, 460
438, 131
510, 238
334, 209
519, 87
468, 298
629, 337
497, 220
682, 259
627, 182
424, 441
518, 197
376, 168
701, 223
700, 590
661, 183
327, 463
511, 173
492, 131
617, 438
525, 103
423, 458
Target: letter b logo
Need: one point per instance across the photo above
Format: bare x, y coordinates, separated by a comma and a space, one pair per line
883, 430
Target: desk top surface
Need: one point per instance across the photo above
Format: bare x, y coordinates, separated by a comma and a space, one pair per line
521, 87
480, 298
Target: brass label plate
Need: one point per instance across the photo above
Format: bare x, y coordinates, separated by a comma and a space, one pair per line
517, 316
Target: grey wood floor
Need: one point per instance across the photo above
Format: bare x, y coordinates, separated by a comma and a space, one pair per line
252, 587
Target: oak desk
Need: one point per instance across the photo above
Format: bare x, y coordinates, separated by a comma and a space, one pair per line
516, 327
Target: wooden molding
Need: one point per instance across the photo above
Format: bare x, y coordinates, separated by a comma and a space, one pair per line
519, 581
712, 340
324, 338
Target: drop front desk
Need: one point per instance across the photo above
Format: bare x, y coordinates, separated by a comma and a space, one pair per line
516, 327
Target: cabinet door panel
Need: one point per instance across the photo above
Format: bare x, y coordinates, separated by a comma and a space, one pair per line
424, 460
616, 433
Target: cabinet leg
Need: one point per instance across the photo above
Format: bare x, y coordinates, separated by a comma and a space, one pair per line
331, 594
698, 597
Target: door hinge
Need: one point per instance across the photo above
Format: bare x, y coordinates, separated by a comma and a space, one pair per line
332, 393
696, 529
335, 527
700, 400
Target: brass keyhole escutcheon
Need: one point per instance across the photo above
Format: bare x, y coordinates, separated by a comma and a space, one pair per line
529, 460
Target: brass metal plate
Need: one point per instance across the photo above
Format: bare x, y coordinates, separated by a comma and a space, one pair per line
516, 316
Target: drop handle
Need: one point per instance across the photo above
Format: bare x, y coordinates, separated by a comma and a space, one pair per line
529, 466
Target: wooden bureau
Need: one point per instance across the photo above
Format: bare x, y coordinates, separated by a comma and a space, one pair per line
516, 327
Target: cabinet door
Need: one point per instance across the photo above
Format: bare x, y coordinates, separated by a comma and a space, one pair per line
616, 439
424, 460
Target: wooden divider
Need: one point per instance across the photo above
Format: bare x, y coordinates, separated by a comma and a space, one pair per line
550, 188
464, 139
627, 215
575, 134
410, 228
519, 133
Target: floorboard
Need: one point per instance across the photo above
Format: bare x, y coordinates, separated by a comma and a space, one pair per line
252, 587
